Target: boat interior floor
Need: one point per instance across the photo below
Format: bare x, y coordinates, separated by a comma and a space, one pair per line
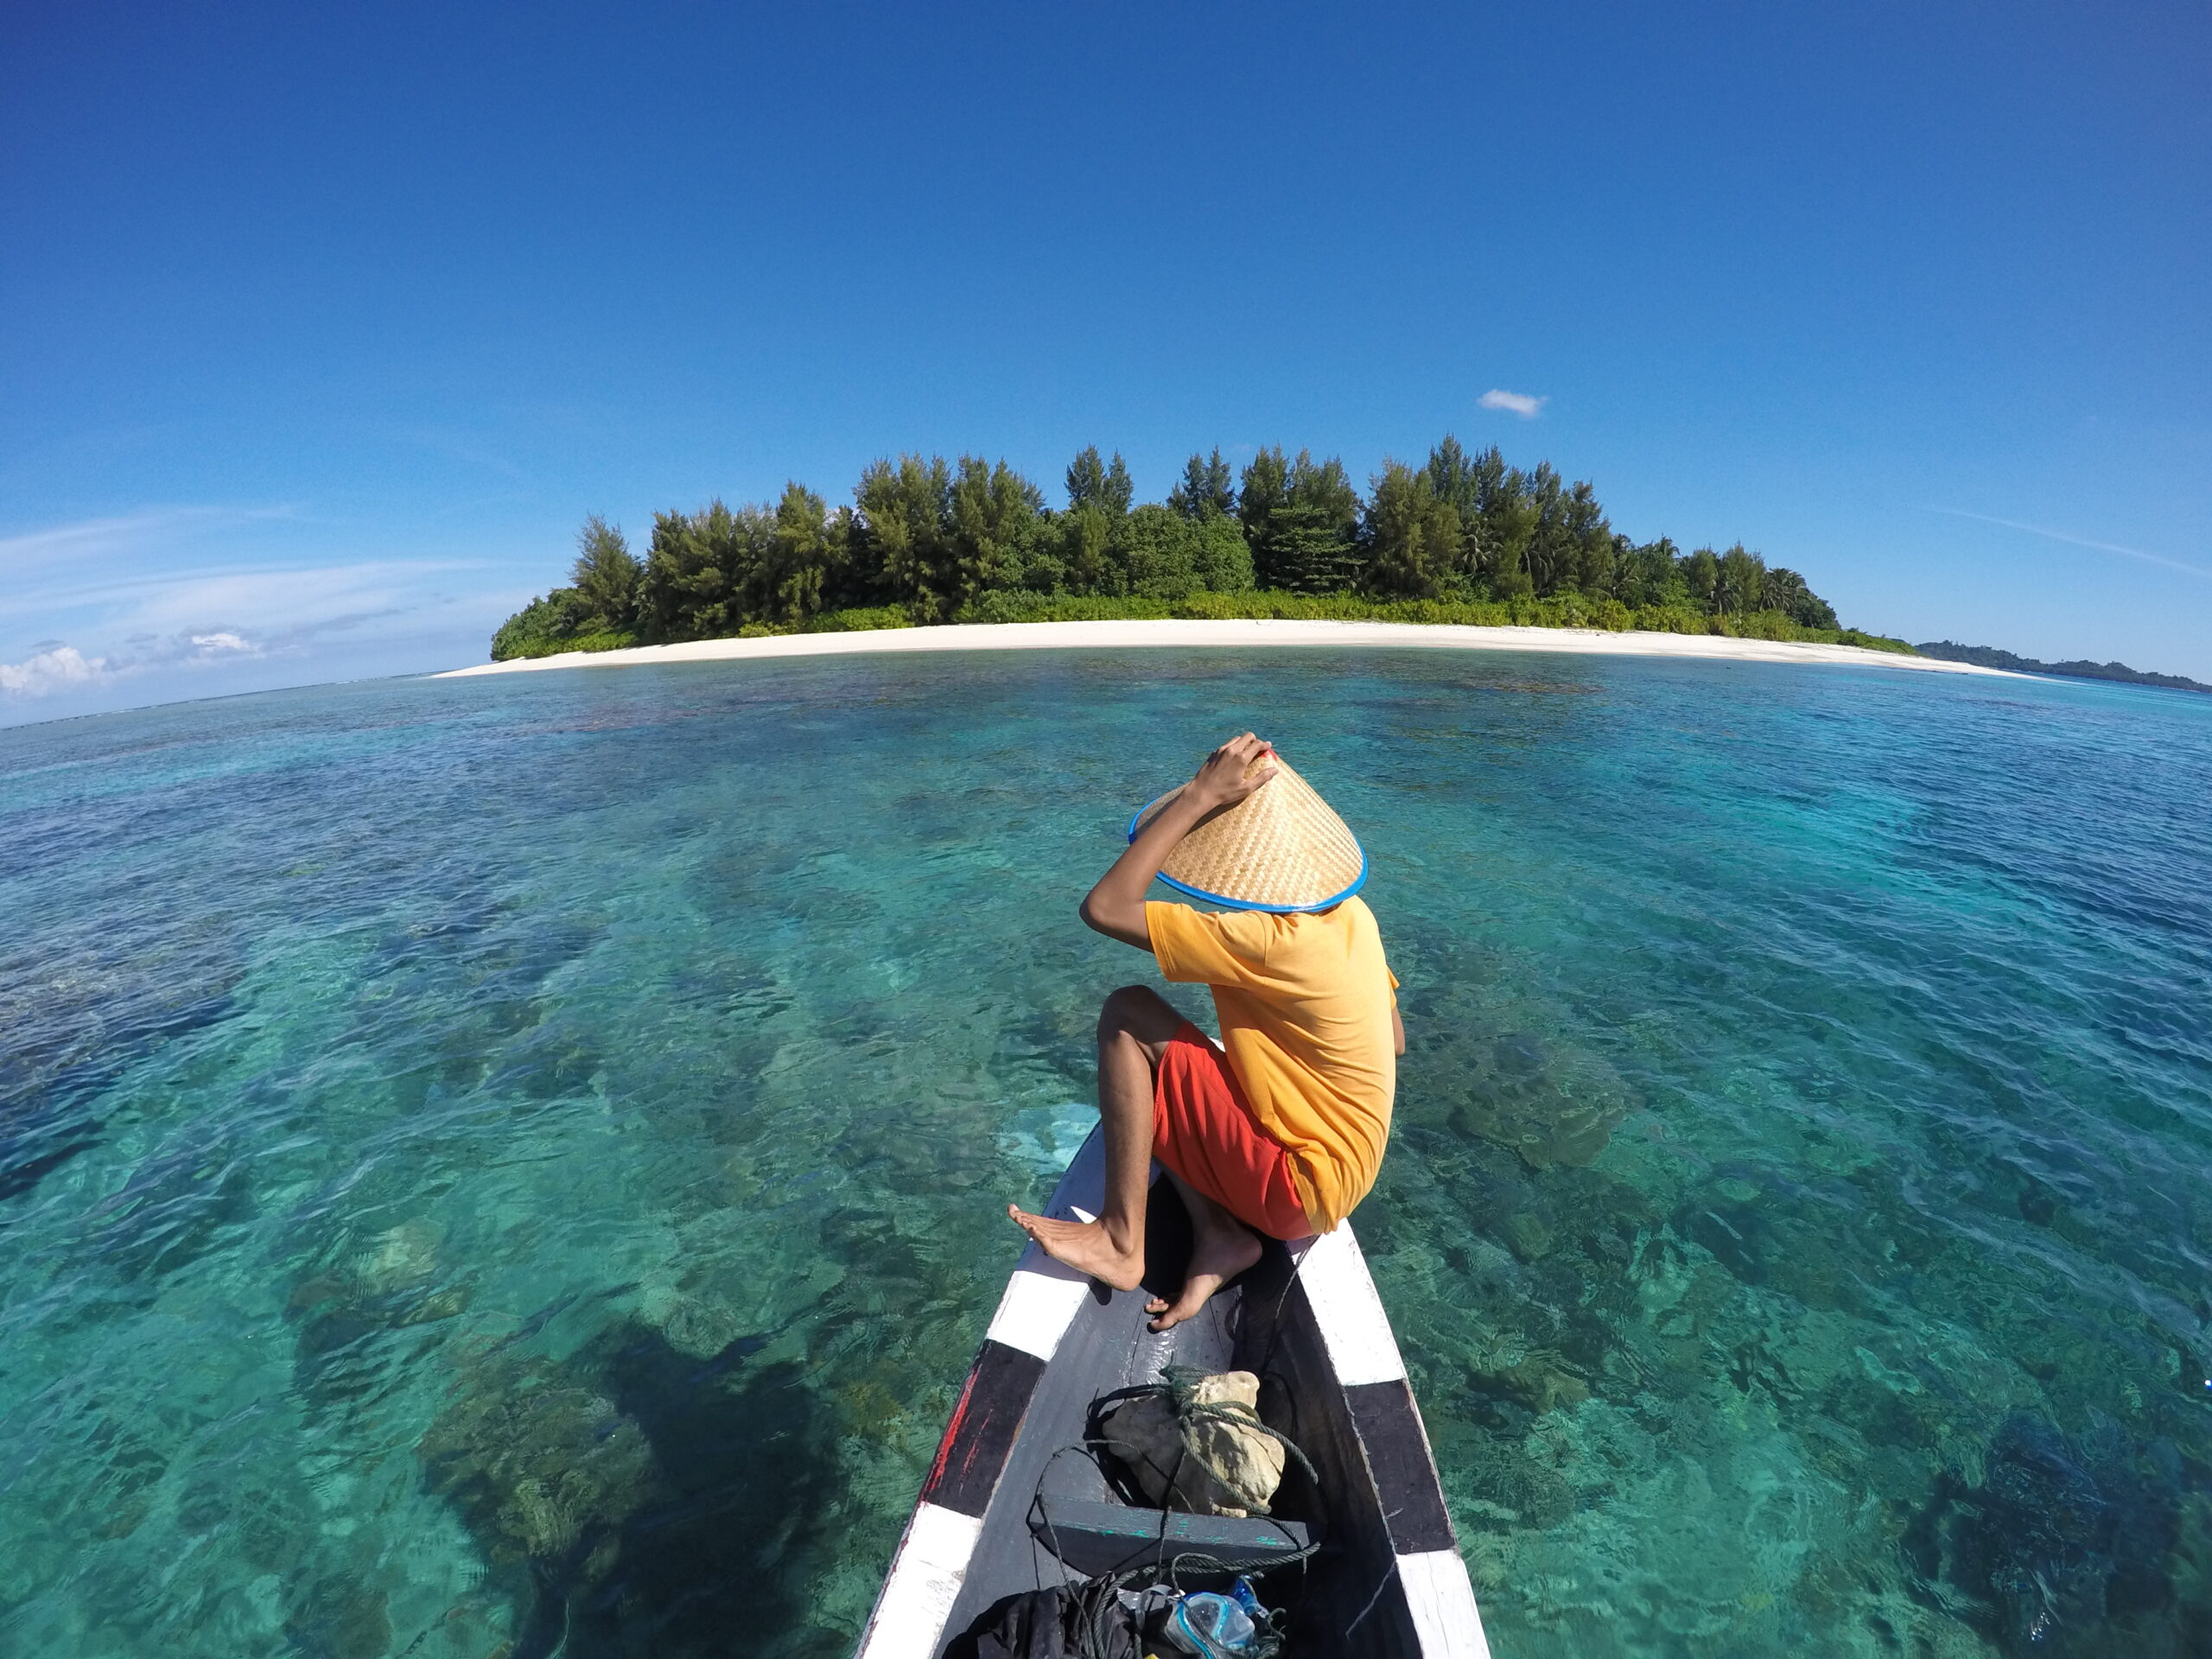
1109, 1348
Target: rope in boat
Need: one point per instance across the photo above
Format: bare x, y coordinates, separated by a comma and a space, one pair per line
1097, 1599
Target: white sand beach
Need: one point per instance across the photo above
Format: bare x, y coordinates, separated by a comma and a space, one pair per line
1121, 636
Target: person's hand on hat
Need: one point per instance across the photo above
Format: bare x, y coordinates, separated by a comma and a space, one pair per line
1232, 771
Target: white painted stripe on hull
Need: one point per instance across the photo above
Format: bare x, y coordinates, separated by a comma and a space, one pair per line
1360, 1344
925, 1581
1040, 1303
1442, 1602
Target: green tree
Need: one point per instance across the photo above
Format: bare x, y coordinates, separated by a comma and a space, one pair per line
1702, 575
1783, 589
1265, 491
905, 513
1618, 567
1457, 479
1156, 552
1220, 555
800, 576
1650, 576
1737, 583
1589, 540
606, 576
1412, 537
993, 514
1208, 486
1089, 563
1091, 480
1157, 549
938, 539
1511, 515
1313, 544
1452, 476
1550, 553
700, 569
545, 621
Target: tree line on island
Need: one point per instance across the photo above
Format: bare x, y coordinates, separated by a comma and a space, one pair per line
1950, 651
1462, 538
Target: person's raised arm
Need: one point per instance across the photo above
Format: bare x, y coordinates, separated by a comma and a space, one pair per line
1116, 906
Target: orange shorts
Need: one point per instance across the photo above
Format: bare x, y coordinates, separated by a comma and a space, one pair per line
1202, 1128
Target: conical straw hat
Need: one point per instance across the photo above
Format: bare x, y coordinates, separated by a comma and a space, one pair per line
1280, 848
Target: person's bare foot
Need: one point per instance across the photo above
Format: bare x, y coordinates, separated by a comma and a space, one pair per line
1086, 1246
1218, 1255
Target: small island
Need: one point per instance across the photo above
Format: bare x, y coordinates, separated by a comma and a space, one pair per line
1463, 540
1950, 651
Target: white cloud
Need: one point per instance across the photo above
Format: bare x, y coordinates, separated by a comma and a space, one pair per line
148, 605
54, 667
53, 670
1518, 403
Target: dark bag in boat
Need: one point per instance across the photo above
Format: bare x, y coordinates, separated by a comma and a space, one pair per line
1057, 1623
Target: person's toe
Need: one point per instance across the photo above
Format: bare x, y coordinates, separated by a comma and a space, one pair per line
1171, 1314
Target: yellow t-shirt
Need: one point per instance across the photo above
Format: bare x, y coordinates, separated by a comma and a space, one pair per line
1304, 1002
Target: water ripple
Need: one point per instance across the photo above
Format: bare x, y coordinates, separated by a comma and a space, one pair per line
516, 1162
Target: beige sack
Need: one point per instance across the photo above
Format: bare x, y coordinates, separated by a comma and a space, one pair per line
1199, 1462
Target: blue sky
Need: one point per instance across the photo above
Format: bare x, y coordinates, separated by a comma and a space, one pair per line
324, 325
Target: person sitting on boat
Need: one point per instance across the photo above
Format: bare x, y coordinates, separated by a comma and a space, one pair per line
1278, 1129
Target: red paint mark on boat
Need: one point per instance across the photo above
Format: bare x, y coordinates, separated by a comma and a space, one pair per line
951, 1434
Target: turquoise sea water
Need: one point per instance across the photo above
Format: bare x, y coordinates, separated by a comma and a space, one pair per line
512, 1165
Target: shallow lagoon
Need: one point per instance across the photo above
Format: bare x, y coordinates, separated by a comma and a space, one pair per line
512, 1165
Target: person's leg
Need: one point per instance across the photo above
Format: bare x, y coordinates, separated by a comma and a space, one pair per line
1134, 1027
1221, 1248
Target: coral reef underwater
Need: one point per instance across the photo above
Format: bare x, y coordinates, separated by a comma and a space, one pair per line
540, 1183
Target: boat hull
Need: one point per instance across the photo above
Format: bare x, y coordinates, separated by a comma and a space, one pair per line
1387, 1579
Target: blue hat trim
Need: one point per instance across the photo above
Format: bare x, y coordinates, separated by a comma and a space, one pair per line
1228, 902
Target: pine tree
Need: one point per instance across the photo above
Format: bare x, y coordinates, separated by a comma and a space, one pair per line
1309, 552
1208, 486
904, 514
799, 571
991, 519
1093, 482
1412, 537
606, 576
1266, 487
700, 569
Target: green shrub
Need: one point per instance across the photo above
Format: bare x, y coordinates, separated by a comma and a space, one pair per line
1558, 611
605, 640
860, 619
529, 632
1050, 608
1671, 618
1869, 641
557, 616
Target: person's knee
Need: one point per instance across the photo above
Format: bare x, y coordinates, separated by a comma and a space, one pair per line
1124, 1011
1137, 1013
